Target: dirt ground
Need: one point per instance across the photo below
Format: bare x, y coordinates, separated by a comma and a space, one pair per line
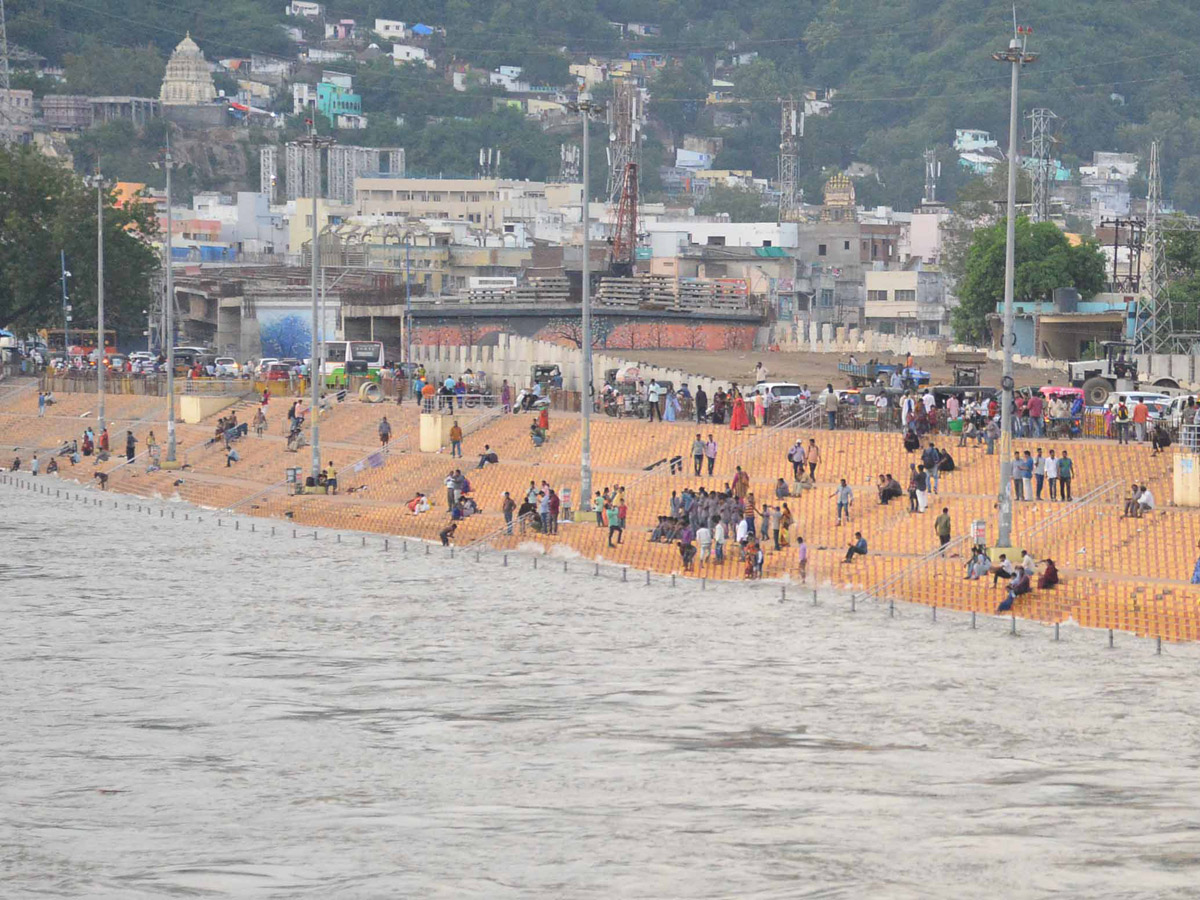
817, 369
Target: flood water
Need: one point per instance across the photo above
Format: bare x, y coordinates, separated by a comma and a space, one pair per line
190, 711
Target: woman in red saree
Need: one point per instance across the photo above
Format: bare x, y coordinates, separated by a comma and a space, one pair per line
738, 418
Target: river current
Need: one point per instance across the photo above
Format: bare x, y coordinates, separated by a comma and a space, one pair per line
194, 711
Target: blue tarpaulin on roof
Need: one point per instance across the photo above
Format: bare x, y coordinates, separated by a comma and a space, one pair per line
422, 29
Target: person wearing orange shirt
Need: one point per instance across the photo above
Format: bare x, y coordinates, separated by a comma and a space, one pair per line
1141, 415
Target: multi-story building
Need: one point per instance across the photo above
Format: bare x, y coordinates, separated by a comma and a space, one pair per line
486, 202
334, 100
907, 302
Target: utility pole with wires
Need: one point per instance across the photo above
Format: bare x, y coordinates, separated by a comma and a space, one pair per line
1016, 57
1041, 146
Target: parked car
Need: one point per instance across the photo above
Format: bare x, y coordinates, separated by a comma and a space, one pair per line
278, 371
227, 365
785, 393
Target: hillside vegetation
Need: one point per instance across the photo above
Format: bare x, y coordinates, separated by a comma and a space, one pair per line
906, 73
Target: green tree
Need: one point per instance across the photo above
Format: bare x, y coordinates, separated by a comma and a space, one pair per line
45, 210
1045, 260
102, 69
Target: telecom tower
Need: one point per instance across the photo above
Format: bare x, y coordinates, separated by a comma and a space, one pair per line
791, 129
933, 171
489, 162
569, 158
268, 172
623, 128
1041, 146
1153, 331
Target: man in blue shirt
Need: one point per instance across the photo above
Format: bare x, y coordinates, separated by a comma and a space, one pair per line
859, 547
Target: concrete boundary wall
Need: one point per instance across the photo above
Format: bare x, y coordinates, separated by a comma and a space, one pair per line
513, 357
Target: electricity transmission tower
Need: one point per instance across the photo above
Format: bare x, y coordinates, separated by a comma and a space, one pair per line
791, 129
1041, 146
1152, 328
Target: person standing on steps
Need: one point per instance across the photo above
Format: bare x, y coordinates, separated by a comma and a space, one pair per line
845, 497
130, 446
456, 437
701, 404
508, 507
941, 526
831, 406
813, 456
1066, 473
385, 431
1039, 473
710, 453
802, 551
697, 455
1052, 474
614, 523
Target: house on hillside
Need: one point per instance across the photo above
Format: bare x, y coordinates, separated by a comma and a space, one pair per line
305, 9
391, 29
402, 54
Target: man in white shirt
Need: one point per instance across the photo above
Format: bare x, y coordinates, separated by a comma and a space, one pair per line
760, 373
907, 407
704, 537
653, 392
929, 400
896, 382
719, 538
1146, 500
881, 403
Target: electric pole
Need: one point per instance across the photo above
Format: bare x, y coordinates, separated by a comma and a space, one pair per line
168, 164
586, 109
100, 343
315, 143
1015, 56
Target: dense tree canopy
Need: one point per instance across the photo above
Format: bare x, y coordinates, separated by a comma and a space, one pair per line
907, 73
44, 210
1045, 260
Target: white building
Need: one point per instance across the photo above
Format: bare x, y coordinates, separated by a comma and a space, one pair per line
509, 78
304, 8
352, 121
407, 53
304, 98
391, 29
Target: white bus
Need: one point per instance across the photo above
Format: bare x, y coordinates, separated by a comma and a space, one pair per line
339, 353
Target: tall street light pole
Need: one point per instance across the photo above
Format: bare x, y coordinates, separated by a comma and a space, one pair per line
315, 143
1016, 57
100, 368
168, 164
586, 108
66, 305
